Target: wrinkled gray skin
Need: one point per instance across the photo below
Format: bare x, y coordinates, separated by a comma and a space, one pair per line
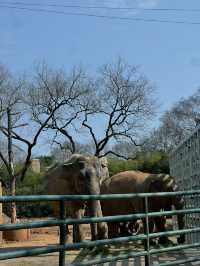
139, 182
80, 175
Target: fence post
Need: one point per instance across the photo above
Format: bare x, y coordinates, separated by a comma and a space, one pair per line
63, 233
146, 231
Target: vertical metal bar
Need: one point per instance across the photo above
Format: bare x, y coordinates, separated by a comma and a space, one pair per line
146, 230
63, 233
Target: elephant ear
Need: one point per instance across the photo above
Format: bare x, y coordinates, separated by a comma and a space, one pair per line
156, 186
162, 183
168, 182
104, 172
76, 162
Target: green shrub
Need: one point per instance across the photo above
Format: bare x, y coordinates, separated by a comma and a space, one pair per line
152, 162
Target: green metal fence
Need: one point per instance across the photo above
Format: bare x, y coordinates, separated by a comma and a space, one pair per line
63, 221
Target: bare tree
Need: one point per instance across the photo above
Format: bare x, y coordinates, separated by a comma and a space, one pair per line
63, 152
125, 149
31, 107
124, 103
55, 101
177, 123
10, 100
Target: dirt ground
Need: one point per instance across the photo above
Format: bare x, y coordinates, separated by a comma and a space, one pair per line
39, 237
49, 236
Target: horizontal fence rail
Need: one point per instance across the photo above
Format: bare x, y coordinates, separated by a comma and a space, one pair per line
63, 221
4, 199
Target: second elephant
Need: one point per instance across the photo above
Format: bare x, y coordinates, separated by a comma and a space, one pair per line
139, 182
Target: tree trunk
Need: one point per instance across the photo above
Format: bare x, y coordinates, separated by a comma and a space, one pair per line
13, 204
11, 166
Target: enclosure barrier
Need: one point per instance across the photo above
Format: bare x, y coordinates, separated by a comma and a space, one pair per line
184, 162
63, 221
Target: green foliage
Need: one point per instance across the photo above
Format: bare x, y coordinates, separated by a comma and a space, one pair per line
46, 161
115, 165
33, 184
4, 175
152, 162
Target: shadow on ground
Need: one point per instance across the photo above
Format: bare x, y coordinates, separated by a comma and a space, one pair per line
120, 250
84, 255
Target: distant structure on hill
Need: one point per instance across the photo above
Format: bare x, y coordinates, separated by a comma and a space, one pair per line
35, 165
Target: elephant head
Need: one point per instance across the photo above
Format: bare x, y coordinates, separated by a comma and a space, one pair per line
88, 172
166, 183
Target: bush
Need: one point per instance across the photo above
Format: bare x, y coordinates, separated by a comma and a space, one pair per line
33, 184
152, 162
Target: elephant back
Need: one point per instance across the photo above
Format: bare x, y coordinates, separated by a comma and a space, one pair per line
123, 183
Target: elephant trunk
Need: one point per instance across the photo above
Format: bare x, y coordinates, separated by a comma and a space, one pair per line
98, 231
92, 205
179, 205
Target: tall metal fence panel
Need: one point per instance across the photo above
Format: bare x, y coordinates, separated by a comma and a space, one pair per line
148, 250
185, 167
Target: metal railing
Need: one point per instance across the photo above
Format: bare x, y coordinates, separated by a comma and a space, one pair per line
63, 221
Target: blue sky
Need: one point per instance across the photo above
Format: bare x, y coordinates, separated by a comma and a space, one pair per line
169, 54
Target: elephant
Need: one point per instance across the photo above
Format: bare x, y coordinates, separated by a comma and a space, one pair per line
79, 175
140, 182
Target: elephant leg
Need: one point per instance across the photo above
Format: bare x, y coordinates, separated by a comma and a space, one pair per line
125, 229
98, 230
93, 212
102, 227
94, 232
113, 229
132, 226
56, 213
160, 226
78, 229
151, 225
68, 235
102, 230
151, 229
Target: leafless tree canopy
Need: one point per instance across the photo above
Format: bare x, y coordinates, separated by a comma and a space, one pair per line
176, 123
55, 100
125, 104
118, 100
10, 91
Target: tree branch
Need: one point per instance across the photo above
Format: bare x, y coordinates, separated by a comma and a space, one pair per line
117, 155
